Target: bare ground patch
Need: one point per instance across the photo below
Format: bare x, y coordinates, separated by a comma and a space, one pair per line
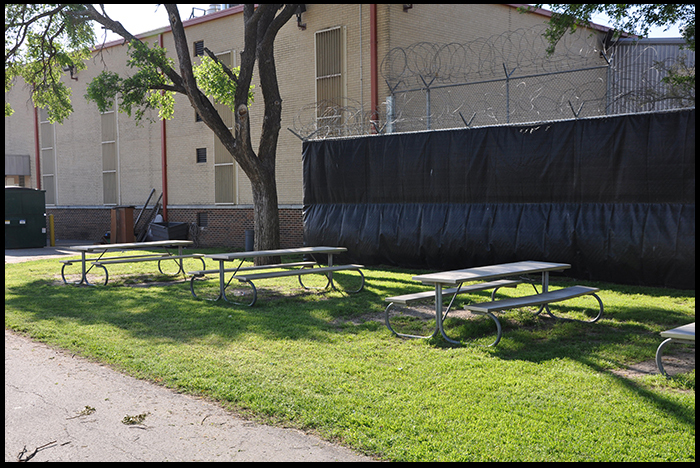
675, 362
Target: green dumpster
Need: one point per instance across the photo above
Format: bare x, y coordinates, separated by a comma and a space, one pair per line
25, 218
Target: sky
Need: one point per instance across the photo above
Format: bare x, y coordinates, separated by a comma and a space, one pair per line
139, 18
143, 17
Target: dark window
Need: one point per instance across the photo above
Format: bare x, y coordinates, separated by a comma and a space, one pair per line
201, 155
202, 219
197, 117
198, 48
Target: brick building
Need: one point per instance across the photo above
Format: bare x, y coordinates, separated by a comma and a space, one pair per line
94, 162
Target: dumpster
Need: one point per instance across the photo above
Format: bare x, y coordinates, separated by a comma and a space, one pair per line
169, 231
25, 218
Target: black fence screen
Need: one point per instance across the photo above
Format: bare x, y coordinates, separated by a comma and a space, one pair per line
612, 196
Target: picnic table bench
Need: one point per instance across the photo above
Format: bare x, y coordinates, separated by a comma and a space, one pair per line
682, 334
298, 269
101, 261
503, 275
410, 299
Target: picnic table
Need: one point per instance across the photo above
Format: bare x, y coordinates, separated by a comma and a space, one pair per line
491, 277
252, 273
101, 262
682, 334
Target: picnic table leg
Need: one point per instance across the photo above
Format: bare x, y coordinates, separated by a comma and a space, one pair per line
83, 278
405, 335
222, 279
440, 317
659, 353
330, 273
545, 288
223, 284
438, 313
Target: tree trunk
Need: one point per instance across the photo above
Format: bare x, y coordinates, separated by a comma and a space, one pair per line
266, 216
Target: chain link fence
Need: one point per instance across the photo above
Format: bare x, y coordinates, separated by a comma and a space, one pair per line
508, 78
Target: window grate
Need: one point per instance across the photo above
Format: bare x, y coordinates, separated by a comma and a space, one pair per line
201, 155
202, 219
329, 76
198, 48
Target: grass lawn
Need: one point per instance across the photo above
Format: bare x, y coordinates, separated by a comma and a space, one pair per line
325, 362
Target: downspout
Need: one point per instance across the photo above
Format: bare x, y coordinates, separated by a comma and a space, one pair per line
37, 149
163, 155
374, 99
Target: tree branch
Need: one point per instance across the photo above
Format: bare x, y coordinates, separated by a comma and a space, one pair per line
232, 76
118, 28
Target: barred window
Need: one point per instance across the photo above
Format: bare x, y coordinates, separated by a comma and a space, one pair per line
330, 79
201, 155
110, 156
202, 219
225, 169
198, 48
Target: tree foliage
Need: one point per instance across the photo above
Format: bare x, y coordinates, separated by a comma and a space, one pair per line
147, 88
631, 18
216, 82
635, 19
42, 41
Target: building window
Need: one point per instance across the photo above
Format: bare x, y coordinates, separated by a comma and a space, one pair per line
198, 48
110, 158
201, 155
225, 169
202, 219
48, 156
330, 76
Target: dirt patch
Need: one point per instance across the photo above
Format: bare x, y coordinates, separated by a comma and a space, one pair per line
675, 362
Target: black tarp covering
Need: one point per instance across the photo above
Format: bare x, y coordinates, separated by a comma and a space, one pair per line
613, 196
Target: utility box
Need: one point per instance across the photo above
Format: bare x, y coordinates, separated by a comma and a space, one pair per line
169, 231
25, 218
122, 225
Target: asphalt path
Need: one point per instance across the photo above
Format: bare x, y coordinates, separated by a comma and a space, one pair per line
61, 407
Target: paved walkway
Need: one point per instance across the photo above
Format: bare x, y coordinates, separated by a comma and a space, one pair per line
73, 410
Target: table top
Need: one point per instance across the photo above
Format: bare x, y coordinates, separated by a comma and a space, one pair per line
278, 252
131, 245
490, 271
685, 332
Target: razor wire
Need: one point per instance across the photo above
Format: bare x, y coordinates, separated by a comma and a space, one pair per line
506, 78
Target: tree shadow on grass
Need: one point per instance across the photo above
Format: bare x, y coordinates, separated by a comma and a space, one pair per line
602, 347
625, 334
170, 311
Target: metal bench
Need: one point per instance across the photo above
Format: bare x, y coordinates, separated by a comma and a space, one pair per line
200, 273
543, 299
306, 269
409, 299
683, 334
147, 258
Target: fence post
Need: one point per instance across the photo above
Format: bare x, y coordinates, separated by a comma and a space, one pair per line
508, 75
390, 114
427, 100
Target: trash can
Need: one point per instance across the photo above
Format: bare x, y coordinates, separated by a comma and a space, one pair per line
249, 240
25, 218
122, 224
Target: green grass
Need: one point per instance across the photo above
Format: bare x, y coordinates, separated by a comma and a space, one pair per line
324, 363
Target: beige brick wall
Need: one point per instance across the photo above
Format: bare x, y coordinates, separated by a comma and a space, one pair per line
191, 185
78, 143
19, 128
